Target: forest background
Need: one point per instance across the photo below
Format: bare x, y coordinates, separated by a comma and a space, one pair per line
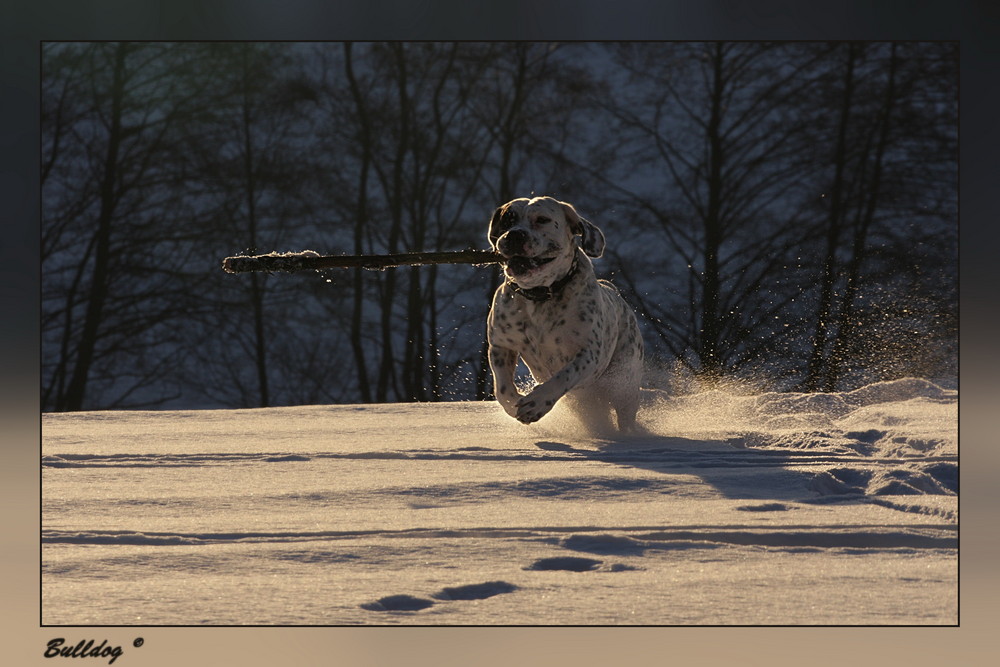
779, 214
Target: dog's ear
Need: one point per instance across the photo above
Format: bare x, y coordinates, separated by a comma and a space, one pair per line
495, 232
592, 238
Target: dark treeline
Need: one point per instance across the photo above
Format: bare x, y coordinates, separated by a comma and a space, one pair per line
784, 213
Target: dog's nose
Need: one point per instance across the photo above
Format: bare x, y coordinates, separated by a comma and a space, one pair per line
513, 242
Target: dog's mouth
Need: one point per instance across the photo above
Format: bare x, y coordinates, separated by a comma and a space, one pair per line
519, 265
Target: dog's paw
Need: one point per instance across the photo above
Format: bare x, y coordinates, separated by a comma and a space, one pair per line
534, 406
528, 412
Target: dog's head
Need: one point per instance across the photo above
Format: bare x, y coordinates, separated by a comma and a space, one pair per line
537, 238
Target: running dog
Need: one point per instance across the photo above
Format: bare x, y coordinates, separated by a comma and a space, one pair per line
574, 332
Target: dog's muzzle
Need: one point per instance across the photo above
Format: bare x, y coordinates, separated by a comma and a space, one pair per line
518, 265
514, 242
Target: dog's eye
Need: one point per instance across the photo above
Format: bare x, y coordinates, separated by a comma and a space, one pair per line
542, 220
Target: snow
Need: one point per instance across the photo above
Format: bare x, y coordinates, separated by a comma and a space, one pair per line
734, 509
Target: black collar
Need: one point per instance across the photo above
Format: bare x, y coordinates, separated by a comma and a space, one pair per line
546, 292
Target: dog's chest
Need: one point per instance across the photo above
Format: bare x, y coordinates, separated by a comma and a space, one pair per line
546, 334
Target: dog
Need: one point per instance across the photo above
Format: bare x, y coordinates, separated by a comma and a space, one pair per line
575, 333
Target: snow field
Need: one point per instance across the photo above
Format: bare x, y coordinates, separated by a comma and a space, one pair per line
747, 510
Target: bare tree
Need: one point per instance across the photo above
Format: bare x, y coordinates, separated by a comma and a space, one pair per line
252, 172
402, 142
718, 120
109, 198
893, 162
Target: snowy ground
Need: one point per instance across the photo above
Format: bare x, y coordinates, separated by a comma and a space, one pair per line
774, 509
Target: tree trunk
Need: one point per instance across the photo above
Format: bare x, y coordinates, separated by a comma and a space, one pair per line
845, 325
708, 352
257, 287
77, 386
360, 220
835, 221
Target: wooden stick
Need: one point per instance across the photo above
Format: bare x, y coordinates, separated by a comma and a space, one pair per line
310, 261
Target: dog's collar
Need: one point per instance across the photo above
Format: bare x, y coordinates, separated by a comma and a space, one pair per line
546, 292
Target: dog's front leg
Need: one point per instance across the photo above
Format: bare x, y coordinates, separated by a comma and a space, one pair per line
502, 363
539, 401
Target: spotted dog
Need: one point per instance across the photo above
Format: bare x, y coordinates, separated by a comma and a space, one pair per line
574, 332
